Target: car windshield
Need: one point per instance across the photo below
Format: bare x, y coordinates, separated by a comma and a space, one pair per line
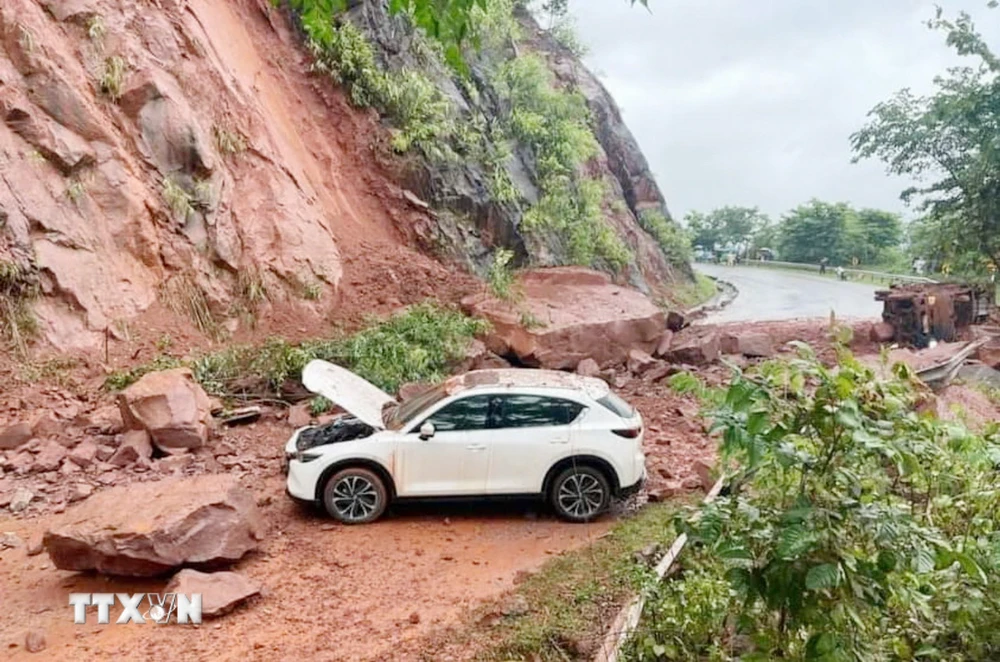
397, 416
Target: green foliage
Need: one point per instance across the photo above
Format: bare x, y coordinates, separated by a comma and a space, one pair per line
854, 529
419, 111
319, 405
121, 379
500, 277
418, 345
674, 242
818, 230
948, 140
563, 30
18, 289
725, 226
96, 30
112, 80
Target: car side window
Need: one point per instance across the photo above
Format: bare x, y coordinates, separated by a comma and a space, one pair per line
528, 411
466, 414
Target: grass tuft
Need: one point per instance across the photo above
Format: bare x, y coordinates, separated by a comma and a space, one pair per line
113, 77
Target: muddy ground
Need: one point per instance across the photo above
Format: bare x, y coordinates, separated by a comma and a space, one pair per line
331, 592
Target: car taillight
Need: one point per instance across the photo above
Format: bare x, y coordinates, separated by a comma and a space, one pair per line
628, 433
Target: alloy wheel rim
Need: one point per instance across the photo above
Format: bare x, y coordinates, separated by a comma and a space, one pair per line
581, 495
354, 498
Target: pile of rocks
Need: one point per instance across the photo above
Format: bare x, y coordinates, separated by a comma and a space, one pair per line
160, 426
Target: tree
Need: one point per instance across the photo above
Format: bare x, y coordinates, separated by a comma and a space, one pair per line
879, 230
818, 230
949, 142
735, 226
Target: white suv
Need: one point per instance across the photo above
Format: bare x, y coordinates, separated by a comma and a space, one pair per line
564, 437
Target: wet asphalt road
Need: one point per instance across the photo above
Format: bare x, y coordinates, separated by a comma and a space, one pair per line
779, 294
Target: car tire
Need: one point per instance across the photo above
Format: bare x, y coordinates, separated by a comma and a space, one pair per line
580, 493
355, 496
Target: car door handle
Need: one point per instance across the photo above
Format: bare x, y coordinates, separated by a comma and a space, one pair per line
476, 447
559, 441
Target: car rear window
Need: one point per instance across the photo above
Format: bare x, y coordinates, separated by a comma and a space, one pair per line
529, 411
617, 405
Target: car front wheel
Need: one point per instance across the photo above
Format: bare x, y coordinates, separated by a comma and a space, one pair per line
580, 493
355, 496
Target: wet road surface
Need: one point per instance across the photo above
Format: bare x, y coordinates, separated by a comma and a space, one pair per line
778, 294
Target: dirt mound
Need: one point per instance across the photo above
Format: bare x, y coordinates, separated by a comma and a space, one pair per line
566, 315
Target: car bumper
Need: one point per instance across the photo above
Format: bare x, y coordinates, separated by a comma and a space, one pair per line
634, 488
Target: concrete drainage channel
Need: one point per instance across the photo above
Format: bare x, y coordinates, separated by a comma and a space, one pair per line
628, 617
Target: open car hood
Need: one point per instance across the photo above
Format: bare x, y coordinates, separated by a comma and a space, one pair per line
343, 388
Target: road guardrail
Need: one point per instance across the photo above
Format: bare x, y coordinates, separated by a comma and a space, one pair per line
852, 274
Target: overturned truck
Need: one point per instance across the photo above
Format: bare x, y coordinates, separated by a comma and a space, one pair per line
921, 312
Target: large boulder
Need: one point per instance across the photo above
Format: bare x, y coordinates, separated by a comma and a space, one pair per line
220, 591
696, 350
568, 314
169, 405
148, 529
748, 344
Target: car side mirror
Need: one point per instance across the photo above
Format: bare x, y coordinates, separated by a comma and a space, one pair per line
426, 430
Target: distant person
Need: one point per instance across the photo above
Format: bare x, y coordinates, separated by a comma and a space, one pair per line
822, 265
841, 275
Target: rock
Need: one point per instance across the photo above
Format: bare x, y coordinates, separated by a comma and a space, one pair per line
15, 436
706, 474
881, 332
104, 452
171, 138
61, 147
35, 547
691, 483
747, 344
414, 618
134, 446
69, 467
174, 463
663, 347
170, 406
588, 368
299, 415
659, 494
103, 420
22, 497
659, 371
696, 350
9, 540
410, 390
639, 362
50, 456
34, 641
84, 453
675, 321
147, 529
79, 492
578, 314
47, 425
515, 605
220, 592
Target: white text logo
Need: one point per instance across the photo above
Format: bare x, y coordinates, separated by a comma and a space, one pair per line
138, 607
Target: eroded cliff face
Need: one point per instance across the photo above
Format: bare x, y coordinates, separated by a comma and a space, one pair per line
183, 155
158, 152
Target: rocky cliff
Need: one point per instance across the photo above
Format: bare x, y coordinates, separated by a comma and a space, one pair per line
185, 156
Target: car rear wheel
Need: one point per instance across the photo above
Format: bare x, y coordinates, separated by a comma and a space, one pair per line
580, 493
355, 496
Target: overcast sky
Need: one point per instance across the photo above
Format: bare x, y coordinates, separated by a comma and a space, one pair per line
740, 102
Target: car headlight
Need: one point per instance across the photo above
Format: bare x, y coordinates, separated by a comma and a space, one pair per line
306, 457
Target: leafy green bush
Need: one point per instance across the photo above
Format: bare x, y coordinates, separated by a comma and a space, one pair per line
500, 277
855, 529
419, 344
555, 125
674, 242
417, 108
